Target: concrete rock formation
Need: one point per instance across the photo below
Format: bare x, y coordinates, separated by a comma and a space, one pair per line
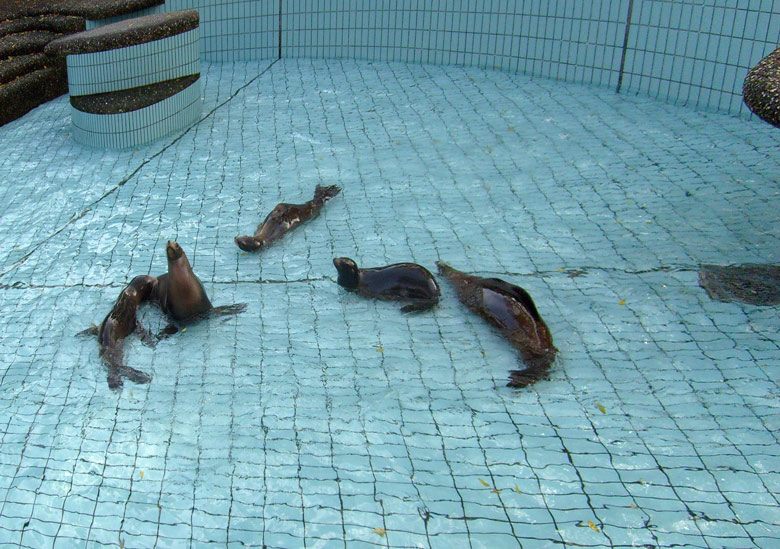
761, 90
28, 77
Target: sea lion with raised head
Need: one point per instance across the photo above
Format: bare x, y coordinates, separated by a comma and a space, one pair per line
511, 310
285, 217
397, 282
180, 294
120, 323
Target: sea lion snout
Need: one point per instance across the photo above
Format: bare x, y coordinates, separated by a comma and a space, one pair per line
173, 250
348, 272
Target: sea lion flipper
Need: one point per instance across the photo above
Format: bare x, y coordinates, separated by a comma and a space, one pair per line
529, 376
146, 336
232, 309
136, 376
114, 379
513, 291
91, 331
419, 306
167, 332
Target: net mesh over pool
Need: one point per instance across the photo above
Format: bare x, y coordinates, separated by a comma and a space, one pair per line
318, 418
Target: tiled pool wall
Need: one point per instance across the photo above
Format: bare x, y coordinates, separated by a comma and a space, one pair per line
693, 53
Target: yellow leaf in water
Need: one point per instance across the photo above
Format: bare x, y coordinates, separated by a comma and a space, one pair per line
380, 350
141, 474
517, 489
633, 506
601, 408
183, 330
593, 526
495, 491
483, 483
243, 253
511, 128
380, 531
622, 302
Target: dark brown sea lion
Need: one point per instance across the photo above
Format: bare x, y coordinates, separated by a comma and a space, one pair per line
398, 282
285, 217
180, 293
120, 323
510, 309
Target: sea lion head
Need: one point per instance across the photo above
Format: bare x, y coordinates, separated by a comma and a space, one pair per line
248, 243
173, 251
349, 277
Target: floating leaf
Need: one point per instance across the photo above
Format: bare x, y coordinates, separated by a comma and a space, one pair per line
511, 128
633, 506
593, 526
140, 474
380, 350
622, 302
184, 329
380, 531
601, 408
517, 489
495, 491
483, 483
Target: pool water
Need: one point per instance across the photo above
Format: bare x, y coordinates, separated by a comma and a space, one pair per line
318, 418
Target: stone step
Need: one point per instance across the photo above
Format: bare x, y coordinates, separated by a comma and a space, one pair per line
26, 92
131, 99
125, 33
89, 9
14, 67
61, 24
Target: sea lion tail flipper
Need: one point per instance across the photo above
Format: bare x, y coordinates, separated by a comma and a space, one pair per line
114, 379
323, 194
136, 376
529, 376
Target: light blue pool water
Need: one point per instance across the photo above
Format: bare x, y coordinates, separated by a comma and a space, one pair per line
321, 419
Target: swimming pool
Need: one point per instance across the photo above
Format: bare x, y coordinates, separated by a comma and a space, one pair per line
318, 418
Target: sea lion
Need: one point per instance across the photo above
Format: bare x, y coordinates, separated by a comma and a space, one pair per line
285, 217
510, 309
401, 281
180, 294
120, 323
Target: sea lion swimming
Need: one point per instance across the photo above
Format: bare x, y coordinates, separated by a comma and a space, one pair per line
510, 309
401, 281
180, 294
285, 217
120, 323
